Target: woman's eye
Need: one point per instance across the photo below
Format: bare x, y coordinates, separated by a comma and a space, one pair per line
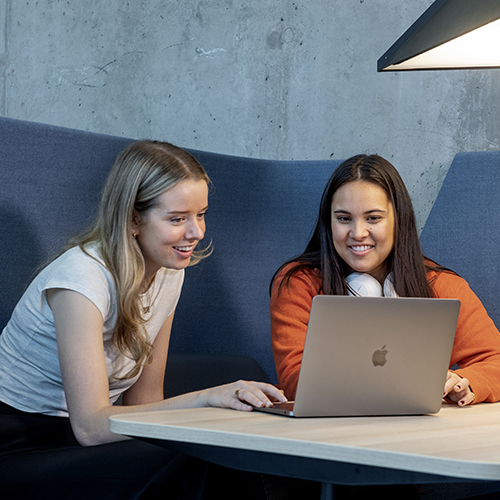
343, 219
374, 219
176, 220
202, 215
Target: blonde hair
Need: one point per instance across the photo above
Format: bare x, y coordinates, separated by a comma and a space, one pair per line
141, 173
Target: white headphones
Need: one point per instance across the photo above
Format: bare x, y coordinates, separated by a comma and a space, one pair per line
365, 285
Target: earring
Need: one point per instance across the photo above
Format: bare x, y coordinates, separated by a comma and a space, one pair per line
134, 234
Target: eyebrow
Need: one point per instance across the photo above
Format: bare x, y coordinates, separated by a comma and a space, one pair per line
342, 211
182, 212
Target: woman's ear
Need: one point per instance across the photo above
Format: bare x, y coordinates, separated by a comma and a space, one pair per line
136, 221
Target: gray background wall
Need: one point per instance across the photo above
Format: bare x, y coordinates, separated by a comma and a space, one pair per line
277, 79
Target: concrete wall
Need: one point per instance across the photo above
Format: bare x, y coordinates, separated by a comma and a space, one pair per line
277, 79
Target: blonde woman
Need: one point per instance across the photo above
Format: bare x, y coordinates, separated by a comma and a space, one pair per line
95, 324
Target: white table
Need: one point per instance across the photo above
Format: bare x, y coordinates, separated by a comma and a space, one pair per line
457, 444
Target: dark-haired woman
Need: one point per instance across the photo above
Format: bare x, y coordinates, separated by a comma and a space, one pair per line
366, 227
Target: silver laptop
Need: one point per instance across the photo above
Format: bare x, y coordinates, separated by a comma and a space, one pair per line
366, 356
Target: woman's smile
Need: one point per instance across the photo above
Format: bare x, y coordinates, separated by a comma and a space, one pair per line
185, 251
359, 249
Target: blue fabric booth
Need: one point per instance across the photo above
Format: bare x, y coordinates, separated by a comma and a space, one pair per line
261, 213
463, 228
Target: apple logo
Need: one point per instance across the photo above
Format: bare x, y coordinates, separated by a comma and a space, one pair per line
378, 358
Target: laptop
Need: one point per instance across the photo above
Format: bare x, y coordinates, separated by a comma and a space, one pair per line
368, 356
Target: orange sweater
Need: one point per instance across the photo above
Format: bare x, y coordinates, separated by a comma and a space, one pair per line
476, 349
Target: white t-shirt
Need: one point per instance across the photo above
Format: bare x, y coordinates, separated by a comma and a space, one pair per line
30, 376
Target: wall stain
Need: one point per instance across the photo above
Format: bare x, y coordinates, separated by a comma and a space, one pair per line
210, 53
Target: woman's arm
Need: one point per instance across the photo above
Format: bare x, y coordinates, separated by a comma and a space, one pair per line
79, 327
290, 309
81, 356
476, 349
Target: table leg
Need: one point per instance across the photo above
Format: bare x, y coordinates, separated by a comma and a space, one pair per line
327, 491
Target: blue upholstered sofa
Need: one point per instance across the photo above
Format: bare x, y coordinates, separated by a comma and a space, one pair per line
261, 213
463, 228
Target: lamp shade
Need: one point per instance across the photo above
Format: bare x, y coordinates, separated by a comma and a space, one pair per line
450, 34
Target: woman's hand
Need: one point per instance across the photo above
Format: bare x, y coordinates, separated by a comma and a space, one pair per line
243, 395
457, 390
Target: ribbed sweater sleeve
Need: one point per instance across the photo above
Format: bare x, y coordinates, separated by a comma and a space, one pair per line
476, 349
290, 308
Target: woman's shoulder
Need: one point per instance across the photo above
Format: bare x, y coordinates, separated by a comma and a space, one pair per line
74, 255
76, 268
78, 260
446, 283
69, 272
302, 270
298, 274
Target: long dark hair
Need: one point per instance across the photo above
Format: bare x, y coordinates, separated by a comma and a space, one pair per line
405, 262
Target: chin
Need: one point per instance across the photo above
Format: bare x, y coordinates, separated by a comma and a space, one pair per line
361, 269
178, 265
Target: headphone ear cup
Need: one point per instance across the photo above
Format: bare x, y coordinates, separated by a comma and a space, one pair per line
363, 285
389, 290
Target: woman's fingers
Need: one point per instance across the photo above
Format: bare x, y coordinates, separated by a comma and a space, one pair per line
451, 380
467, 399
269, 390
243, 395
457, 390
258, 394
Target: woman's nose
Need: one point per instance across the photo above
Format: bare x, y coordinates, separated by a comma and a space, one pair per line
359, 230
196, 230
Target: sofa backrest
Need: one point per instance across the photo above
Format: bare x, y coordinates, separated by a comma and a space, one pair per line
463, 228
260, 214
50, 182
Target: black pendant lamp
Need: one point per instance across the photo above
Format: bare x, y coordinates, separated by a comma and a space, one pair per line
450, 34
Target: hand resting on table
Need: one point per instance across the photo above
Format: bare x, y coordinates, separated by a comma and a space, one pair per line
457, 390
